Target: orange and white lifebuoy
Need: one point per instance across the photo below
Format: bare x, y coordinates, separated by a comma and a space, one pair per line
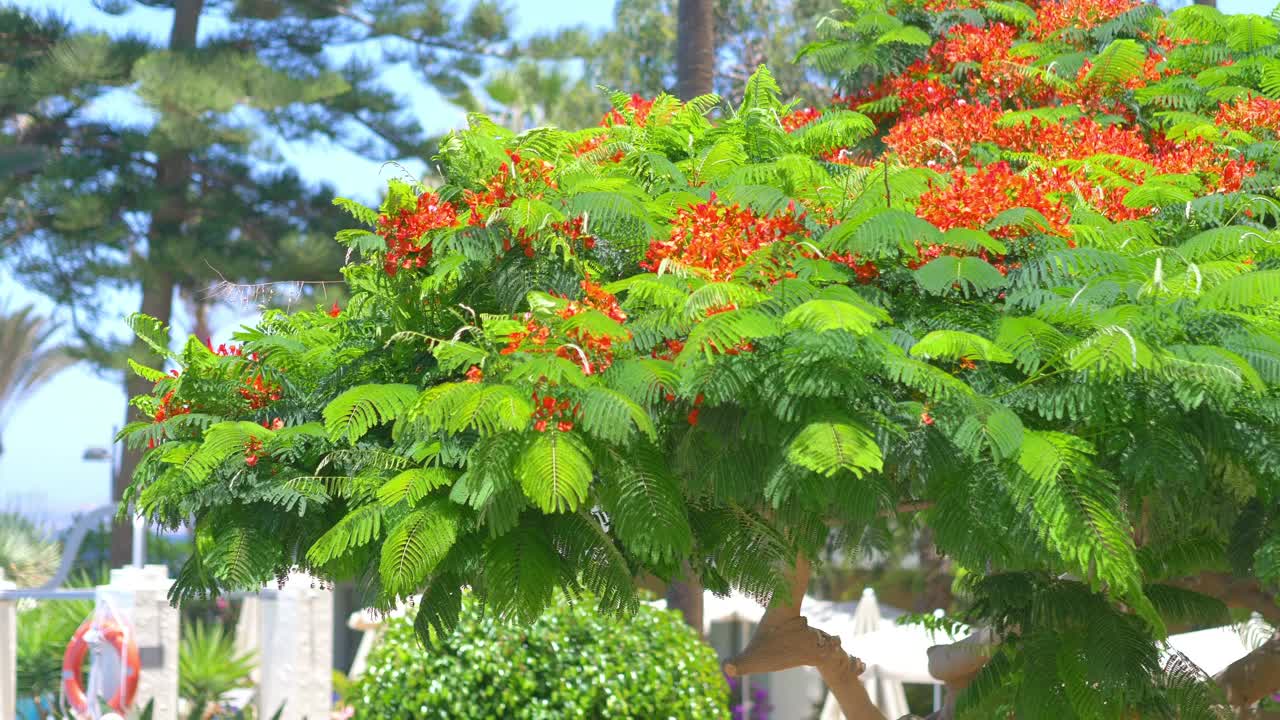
73, 661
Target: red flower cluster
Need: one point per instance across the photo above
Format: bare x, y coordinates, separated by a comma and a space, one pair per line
864, 270
592, 143
1055, 16
1250, 114
259, 393
534, 332
475, 374
638, 105
718, 238
920, 94
253, 451
973, 200
520, 177
596, 350
667, 350
943, 136
798, 118
168, 408
972, 44
596, 297
697, 409
225, 350
403, 231
547, 409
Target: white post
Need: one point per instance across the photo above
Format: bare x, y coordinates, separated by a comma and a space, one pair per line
296, 656
141, 595
8, 652
139, 541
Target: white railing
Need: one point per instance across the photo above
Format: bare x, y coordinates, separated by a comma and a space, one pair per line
290, 629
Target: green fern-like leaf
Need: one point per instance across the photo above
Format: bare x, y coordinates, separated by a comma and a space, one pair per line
968, 274
521, 570
359, 527
829, 447
554, 473
412, 485
360, 409
152, 332
416, 545
1119, 62
959, 345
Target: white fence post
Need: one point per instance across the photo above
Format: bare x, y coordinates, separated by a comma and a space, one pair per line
295, 659
142, 596
8, 652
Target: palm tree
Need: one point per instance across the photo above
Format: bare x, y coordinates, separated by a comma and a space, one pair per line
695, 48
27, 556
28, 358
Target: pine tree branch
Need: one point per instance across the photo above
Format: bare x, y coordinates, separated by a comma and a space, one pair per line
433, 42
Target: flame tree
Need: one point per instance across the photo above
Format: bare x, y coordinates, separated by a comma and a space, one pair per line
1021, 286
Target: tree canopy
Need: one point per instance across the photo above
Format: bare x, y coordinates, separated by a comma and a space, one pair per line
1019, 284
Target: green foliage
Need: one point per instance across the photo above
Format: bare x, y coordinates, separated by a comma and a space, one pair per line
209, 665
27, 557
570, 662
674, 340
43, 632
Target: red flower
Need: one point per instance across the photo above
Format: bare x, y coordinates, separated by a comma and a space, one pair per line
1250, 114
475, 374
926, 418
718, 238
797, 119
335, 311
405, 229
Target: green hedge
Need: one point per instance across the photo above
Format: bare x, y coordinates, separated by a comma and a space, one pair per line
571, 663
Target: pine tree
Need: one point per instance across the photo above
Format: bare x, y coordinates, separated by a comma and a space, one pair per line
181, 206
1021, 288
640, 54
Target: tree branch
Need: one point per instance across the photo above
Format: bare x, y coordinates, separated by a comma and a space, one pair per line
783, 640
1254, 676
1234, 591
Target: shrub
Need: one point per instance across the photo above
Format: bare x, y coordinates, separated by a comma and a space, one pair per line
209, 665
43, 632
572, 663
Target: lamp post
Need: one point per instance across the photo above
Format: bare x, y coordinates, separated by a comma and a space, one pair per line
97, 454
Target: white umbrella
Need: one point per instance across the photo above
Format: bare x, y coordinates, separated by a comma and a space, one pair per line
857, 636
1214, 649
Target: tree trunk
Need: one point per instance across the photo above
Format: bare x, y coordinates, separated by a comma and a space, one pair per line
695, 48
784, 640
1234, 591
957, 663
173, 170
936, 570
685, 595
1252, 677
695, 67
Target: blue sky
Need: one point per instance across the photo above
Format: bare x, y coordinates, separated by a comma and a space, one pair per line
41, 470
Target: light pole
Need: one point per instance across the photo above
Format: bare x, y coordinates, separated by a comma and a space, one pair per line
109, 454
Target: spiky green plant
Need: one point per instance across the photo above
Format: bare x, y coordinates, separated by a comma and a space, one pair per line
210, 666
